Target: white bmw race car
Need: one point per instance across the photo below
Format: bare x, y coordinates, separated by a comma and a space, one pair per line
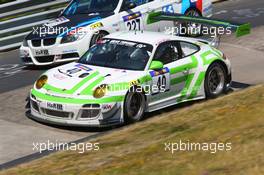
127, 74
84, 22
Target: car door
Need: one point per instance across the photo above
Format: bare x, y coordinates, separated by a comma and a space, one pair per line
173, 77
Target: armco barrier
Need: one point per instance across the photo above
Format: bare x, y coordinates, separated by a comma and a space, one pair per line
18, 17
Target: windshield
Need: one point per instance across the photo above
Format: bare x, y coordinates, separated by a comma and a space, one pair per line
90, 6
118, 54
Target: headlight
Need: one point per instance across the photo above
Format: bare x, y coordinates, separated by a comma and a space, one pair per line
72, 36
100, 91
41, 81
25, 43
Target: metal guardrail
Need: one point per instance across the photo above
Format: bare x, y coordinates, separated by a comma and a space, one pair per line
17, 19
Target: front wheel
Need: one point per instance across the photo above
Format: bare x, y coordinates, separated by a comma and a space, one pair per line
134, 107
215, 80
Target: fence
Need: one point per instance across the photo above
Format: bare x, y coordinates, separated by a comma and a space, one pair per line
18, 17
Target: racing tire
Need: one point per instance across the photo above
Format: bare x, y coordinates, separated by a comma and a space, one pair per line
187, 25
215, 81
97, 37
134, 107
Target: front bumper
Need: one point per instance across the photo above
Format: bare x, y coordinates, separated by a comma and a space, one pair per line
41, 54
92, 115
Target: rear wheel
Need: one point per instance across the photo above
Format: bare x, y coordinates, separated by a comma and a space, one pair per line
134, 107
215, 80
193, 29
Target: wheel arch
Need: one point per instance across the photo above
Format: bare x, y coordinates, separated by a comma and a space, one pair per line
136, 86
97, 32
104, 31
221, 62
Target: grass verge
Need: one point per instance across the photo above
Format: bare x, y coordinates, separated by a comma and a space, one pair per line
139, 149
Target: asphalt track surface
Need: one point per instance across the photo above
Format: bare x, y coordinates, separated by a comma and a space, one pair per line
13, 75
18, 132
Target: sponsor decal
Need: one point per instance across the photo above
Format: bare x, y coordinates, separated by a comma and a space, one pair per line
134, 82
70, 72
69, 51
96, 25
157, 73
107, 107
59, 76
58, 21
168, 9
132, 16
83, 67
55, 106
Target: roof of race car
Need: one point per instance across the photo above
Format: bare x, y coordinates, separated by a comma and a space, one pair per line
153, 38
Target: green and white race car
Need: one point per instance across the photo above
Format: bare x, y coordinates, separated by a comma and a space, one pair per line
127, 74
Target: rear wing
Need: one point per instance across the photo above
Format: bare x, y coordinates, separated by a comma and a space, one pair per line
239, 29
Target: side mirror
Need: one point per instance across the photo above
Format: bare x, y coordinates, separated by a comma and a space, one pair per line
129, 5
156, 65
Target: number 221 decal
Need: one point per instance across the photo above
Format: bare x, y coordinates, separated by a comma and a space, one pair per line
133, 21
134, 24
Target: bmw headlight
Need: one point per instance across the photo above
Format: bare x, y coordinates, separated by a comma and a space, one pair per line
41, 81
100, 91
73, 35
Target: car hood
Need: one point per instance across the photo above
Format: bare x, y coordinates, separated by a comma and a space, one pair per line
73, 78
55, 27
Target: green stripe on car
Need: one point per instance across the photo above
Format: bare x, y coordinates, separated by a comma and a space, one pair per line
197, 85
89, 89
205, 55
74, 89
186, 87
191, 65
179, 80
55, 99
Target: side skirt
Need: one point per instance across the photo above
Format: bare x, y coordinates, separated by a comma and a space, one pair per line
170, 102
